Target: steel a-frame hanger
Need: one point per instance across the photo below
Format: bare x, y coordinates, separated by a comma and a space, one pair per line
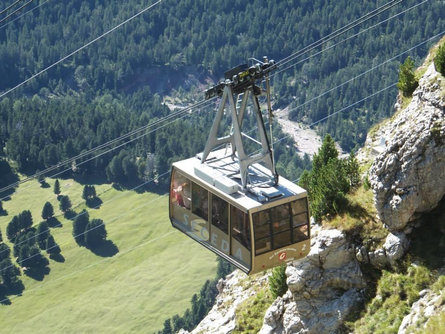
240, 81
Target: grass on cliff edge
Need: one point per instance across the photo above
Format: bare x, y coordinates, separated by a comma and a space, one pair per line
152, 277
359, 219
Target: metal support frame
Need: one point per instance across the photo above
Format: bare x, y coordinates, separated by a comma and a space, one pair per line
235, 136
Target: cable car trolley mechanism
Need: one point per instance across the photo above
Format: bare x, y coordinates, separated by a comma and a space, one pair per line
234, 203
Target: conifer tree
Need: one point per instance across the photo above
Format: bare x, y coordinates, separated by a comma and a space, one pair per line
65, 203
47, 211
407, 80
95, 233
79, 227
42, 234
57, 187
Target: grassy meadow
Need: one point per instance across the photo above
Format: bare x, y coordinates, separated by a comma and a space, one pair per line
152, 276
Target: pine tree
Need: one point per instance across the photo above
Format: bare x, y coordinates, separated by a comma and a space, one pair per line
352, 170
277, 281
327, 183
25, 220
79, 227
48, 211
42, 234
407, 80
13, 228
57, 187
95, 233
65, 203
51, 246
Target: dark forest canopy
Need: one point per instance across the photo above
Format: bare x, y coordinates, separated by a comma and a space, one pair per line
101, 92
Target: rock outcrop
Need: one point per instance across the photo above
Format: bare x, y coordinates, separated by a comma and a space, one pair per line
408, 177
324, 287
232, 292
394, 248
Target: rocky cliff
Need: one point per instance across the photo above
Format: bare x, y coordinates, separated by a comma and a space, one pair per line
408, 177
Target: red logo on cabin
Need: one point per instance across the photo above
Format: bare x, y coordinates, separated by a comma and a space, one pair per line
282, 256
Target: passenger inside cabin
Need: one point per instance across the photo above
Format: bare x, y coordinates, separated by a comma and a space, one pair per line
181, 191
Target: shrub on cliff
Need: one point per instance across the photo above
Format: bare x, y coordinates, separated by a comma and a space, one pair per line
439, 59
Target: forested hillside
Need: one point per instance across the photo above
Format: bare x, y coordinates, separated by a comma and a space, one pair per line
102, 92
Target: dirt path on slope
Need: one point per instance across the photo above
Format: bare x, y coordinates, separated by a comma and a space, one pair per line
306, 140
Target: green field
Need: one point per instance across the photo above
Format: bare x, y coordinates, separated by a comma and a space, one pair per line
152, 277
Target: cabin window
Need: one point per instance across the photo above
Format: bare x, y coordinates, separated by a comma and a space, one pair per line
281, 226
262, 228
200, 206
300, 220
180, 191
220, 214
240, 226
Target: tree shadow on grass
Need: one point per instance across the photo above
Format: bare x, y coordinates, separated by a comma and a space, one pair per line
37, 273
3, 213
106, 248
44, 184
54, 222
16, 290
94, 203
57, 257
70, 214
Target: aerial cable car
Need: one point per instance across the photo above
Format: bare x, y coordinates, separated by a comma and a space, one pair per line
234, 203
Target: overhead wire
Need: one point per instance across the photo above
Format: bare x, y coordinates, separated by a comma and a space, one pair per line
18, 17
198, 105
136, 187
97, 226
16, 11
9, 7
342, 41
367, 71
341, 31
81, 48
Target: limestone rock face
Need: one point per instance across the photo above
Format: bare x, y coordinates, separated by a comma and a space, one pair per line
232, 292
408, 176
323, 289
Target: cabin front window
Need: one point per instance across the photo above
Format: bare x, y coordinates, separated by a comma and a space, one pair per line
281, 226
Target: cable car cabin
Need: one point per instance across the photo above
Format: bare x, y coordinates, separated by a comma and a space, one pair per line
254, 230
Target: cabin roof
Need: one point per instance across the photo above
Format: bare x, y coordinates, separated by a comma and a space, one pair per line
220, 175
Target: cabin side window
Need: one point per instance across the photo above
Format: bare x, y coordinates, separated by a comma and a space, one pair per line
300, 220
240, 226
180, 191
200, 206
220, 214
